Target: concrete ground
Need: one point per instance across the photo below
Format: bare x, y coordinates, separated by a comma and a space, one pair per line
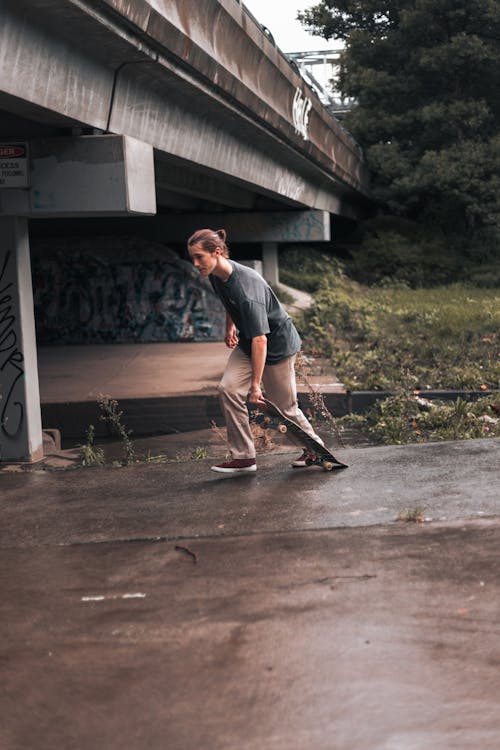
161, 605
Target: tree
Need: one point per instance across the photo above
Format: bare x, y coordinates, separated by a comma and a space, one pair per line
426, 78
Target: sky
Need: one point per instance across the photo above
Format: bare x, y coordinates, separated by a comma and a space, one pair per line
280, 18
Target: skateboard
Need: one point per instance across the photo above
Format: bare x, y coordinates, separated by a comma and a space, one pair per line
320, 456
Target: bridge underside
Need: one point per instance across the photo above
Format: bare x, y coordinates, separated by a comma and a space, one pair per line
215, 102
150, 119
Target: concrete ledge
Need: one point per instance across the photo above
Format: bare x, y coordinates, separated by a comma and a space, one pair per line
177, 414
360, 401
144, 416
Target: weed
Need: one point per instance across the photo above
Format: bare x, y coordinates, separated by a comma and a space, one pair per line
90, 454
200, 453
316, 397
409, 418
113, 418
262, 435
412, 515
160, 458
447, 337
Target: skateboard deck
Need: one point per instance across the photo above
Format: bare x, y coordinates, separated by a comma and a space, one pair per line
320, 456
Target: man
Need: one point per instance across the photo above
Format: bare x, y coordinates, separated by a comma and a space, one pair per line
264, 343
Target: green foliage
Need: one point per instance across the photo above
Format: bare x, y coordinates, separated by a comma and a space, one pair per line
199, 453
305, 268
113, 417
399, 252
426, 78
90, 454
407, 418
396, 251
444, 337
412, 515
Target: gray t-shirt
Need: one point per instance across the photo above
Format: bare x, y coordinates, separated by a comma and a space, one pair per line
256, 311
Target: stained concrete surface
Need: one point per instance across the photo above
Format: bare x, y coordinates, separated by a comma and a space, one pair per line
355, 638
163, 606
450, 480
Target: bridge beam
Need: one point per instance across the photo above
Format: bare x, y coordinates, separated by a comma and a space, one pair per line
185, 181
152, 71
241, 226
97, 175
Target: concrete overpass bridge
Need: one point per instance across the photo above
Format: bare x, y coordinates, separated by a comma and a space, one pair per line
166, 115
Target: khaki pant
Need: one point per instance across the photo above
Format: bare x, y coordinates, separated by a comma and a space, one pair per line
280, 387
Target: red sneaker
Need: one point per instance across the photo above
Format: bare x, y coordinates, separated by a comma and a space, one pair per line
237, 465
302, 460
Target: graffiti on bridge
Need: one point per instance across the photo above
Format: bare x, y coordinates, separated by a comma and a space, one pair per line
11, 357
94, 297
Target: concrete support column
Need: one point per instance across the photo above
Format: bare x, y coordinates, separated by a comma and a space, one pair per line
20, 417
270, 263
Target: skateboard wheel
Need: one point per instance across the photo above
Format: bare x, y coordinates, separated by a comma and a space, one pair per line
282, 428
327, 465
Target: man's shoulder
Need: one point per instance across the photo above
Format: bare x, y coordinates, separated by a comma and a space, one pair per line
243, 269
248, 276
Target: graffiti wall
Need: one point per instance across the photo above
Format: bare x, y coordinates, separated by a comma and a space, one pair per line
102, 289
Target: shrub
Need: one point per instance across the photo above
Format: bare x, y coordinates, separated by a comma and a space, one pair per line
305, 268
443, 338
408, 418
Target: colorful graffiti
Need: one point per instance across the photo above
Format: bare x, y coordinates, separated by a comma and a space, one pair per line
120, 290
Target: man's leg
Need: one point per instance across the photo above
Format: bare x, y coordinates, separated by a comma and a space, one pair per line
281, 389
233, 391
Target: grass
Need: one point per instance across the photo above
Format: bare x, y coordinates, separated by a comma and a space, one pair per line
391, 337
89, 453
409, 418
199, 453
112, 416
412, 515
440, 338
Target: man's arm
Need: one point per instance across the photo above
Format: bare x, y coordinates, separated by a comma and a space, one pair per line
231, 337
259, 353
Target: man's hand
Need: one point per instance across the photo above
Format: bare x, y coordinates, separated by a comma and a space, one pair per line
231, 338
255, 396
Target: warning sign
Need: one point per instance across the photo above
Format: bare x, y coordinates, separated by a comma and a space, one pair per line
14, 165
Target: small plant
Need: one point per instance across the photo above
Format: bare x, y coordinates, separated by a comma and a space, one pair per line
90, 454
200, 453
409, 418
317, 398
112, 417
447, 336
160, 458
412, 515
262, 435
